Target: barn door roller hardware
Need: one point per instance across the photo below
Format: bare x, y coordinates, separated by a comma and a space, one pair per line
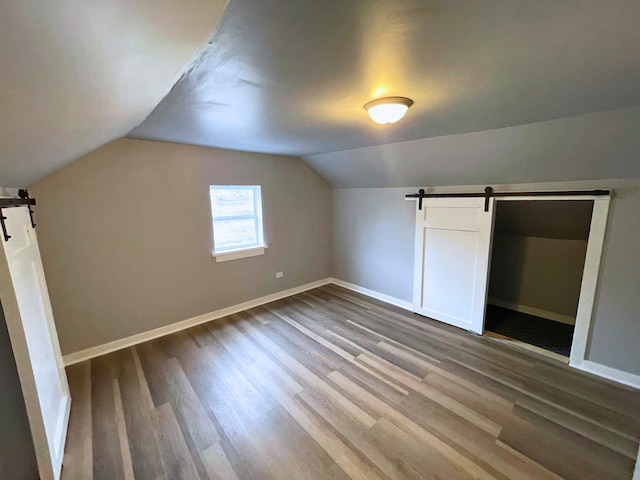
16, 202
489, 192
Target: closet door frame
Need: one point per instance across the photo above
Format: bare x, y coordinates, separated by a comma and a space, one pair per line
588, 288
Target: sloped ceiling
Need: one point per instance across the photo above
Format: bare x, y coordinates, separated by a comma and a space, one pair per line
585, 147
292, 77
566, 219
503, 91
75, 74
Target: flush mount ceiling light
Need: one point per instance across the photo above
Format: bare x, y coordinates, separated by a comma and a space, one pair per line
388, 110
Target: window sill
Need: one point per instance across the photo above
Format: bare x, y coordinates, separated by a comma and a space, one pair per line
237, 254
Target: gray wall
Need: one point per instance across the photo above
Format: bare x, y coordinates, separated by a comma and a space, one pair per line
126, 239
373, 239
542, 273
373, 248
17, 456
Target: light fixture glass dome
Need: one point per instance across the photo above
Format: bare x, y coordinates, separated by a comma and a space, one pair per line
388, 110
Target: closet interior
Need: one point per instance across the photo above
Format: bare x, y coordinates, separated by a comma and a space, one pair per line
537, 263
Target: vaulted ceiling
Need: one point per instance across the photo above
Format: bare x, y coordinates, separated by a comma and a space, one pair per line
291, 77
76, 74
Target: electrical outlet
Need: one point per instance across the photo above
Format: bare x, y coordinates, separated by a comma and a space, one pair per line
279, 274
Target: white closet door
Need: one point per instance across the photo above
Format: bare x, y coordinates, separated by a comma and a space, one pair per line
453, 246
25, 300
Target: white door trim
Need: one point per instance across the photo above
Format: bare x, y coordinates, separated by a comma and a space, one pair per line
591, 270
588, 289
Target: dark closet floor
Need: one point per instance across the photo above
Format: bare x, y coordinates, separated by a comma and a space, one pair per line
553, 336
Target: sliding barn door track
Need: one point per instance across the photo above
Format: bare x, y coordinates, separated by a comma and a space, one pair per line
489, 192
16, 202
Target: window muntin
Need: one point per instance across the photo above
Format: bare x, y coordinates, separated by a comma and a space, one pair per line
237, 217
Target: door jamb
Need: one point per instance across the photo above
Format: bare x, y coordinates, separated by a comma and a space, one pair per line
592, 261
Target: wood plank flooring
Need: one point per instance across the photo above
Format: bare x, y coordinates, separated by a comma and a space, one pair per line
330, 384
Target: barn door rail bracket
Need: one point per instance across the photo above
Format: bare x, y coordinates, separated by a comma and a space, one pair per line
16, 202
489, 193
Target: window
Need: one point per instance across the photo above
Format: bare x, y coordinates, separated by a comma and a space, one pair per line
237, 221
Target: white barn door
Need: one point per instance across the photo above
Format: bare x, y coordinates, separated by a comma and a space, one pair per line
25, 300
452, 250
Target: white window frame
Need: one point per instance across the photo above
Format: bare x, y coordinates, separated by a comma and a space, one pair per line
234, 253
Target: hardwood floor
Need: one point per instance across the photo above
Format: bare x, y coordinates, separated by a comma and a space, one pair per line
332, 384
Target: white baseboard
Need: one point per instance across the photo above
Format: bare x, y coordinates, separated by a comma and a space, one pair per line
372, 293
619, 376
94, 352
587, 366
537, 312
626, 378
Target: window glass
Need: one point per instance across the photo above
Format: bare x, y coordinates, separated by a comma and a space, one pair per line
231, 202
237, 217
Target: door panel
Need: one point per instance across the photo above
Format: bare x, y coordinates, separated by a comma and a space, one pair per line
447, 292
453, 244
34, 340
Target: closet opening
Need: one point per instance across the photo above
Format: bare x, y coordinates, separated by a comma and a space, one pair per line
536, 271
